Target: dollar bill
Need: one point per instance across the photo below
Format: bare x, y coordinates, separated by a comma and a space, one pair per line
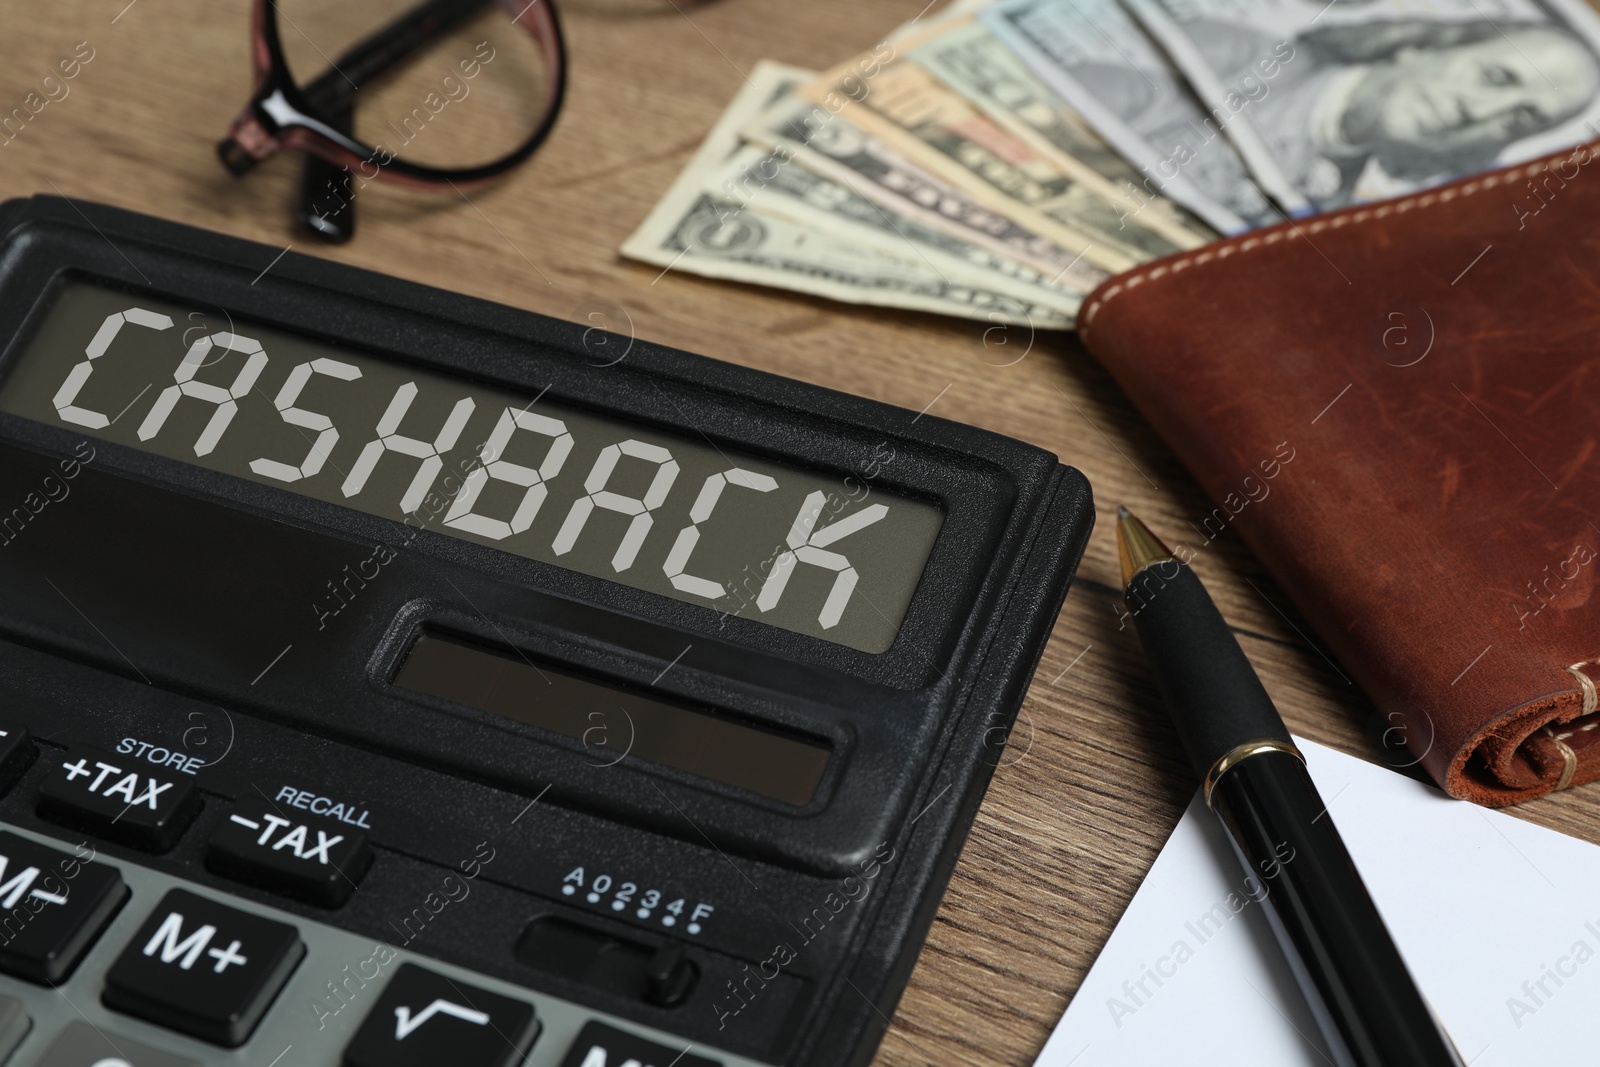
968, 58
1338, 103
717, 237
936, 129
956, 9
1099, 59
830, 145
760, 179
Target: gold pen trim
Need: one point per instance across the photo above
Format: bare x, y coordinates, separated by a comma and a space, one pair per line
1137, 547
1239, 753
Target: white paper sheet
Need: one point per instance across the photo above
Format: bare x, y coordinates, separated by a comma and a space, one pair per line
1498, 919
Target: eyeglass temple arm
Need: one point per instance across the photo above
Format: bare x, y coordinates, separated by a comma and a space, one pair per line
327, 204
327, 201
388, 47
368, 59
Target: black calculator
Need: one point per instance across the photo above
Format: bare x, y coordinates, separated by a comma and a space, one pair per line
390, 678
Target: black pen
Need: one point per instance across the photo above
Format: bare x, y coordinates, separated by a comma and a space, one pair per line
1255, 780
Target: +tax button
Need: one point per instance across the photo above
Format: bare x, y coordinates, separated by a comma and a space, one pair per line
105, 795
203, 968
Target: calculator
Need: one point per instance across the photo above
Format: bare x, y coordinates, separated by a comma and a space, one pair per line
389, 678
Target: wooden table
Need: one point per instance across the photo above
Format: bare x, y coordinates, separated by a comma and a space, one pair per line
1093, 781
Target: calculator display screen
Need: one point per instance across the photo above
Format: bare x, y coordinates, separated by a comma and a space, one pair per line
669, 512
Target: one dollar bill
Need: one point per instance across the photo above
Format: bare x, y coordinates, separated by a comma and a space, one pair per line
926, 123
720, 237
828, 144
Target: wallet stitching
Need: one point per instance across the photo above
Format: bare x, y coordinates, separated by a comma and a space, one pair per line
1585, 728
1289, 230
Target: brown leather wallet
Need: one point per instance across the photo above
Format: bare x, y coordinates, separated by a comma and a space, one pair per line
1432, 366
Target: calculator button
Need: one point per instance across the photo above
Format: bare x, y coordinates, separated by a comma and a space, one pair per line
82, 1045
306, 857
424, 1019
203, 968
601, 1044
16, 754
14, 1025
118, 798
54, 906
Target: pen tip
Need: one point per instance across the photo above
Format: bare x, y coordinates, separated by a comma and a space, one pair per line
1136, 545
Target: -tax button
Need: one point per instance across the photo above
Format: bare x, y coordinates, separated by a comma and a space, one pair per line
118, 799
303, 856
203, 968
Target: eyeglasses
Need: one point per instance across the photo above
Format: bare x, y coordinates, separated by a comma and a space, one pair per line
318, 116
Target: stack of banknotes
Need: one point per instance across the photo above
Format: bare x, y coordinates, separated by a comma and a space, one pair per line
998, 160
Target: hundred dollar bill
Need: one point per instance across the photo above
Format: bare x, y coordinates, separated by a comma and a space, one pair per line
968, 58
716, 237
1095, 55
1332, 104
951, 12
934, 128
828, 144
761, 180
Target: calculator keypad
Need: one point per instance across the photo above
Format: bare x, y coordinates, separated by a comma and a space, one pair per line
100, 979
118, 799
203, 968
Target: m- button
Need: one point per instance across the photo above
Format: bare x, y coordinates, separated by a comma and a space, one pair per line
53, 905
108, 796
203, 968
302, 856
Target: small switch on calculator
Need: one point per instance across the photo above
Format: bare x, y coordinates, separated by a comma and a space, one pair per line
306, 857
118, 798
55, 905
203, 968
424, 1019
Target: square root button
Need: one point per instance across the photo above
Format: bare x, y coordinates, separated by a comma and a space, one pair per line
424, 1019
118, 798
203, 968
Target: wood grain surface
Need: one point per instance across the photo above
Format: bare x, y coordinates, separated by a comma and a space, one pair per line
1093, 780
